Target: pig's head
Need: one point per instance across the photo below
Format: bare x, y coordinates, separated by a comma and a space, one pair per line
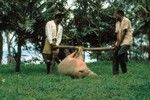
83, 73
80, 74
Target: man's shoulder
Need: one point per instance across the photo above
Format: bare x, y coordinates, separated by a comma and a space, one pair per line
126, 19
117, 23
50, 22
60, 26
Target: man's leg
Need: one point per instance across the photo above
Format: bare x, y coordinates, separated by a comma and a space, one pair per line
123, 57
48, 64
115, 62
47, 60
55, 57
57, 60
123, 63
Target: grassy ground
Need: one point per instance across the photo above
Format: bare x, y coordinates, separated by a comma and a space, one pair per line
33, 83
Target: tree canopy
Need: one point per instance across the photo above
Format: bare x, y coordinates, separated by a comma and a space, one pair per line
89, 23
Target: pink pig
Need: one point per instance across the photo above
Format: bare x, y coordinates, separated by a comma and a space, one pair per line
74, 66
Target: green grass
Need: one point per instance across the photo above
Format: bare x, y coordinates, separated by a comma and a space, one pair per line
33, 83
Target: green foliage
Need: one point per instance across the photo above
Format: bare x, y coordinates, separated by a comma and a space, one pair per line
33, 83
90, 23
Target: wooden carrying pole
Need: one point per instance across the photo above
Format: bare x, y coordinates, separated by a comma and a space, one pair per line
85, 49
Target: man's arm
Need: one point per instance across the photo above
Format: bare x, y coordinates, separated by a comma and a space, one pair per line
125, 30
60, 36
117, 35
48, 32
123, 35
120, 37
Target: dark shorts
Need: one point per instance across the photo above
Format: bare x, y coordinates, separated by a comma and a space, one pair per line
123, 49
121, 52
51, 58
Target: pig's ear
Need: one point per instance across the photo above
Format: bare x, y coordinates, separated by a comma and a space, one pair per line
78, 52
73, 54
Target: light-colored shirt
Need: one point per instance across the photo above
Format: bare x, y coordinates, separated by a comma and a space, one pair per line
52, 33
120, 26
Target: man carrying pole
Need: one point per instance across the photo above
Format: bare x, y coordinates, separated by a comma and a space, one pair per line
53, 32
124, 41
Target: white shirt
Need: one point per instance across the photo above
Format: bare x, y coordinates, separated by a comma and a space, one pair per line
125, 24
51, 32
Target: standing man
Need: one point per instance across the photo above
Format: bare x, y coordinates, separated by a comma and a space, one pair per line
53, 32
124, 41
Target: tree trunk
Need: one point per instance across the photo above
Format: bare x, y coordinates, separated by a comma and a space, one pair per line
141, 51
18, 55
1, 47
8, 46
149, 47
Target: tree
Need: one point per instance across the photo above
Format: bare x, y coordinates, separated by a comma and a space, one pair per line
92, 24
1, 47
1, 37
26, 18
141, 9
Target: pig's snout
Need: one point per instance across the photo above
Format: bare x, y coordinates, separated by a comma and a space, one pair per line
91, 73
